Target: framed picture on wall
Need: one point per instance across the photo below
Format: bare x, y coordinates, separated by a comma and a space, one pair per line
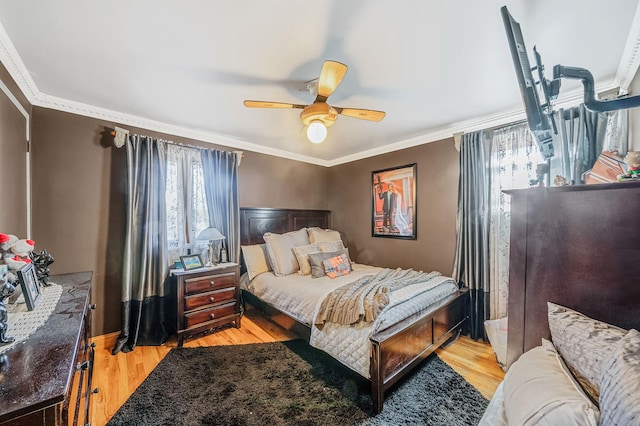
393, 196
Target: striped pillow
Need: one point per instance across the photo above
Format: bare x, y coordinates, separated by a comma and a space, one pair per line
620, 385
583, 343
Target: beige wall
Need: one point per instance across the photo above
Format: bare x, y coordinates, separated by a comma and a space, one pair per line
437, 188
13, 151
79, 205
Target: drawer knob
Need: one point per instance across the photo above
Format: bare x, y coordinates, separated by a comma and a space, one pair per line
212, 283
212, 299
212, 316
92, 306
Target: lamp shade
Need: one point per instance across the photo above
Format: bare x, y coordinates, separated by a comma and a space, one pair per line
211, 234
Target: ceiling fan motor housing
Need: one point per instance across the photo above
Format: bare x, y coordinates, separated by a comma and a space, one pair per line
319, 111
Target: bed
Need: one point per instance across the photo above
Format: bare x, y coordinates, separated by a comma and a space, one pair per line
577, 247
391, 350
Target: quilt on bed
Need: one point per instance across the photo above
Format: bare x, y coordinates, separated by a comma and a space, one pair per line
300, 297
350, 343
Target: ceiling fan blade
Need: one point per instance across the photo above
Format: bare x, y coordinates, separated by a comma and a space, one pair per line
266, 104
363, 114
330, 76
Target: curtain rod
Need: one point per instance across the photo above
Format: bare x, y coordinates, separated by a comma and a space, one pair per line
120, 135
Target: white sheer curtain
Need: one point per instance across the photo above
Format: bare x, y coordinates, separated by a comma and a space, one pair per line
186, 202
514, 157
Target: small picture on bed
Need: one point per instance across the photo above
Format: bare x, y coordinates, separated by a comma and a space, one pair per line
394, 202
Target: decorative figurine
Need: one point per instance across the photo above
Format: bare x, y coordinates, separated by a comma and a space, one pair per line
560, 180
6, 290
632, 159
41, 262
14, 253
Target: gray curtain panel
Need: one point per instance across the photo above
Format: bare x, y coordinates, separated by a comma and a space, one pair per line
220, 170
580, 140
471, 263
146, 318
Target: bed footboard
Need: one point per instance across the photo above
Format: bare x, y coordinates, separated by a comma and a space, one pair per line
395, 351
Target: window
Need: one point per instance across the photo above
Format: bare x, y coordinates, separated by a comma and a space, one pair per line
186, 205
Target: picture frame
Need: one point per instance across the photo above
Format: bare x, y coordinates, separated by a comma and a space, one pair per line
30, 285
191, 261
393, 202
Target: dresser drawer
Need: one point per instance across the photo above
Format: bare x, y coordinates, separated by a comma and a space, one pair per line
209, 314
208, 298
209, 282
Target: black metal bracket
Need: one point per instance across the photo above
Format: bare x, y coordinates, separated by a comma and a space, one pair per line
590, 101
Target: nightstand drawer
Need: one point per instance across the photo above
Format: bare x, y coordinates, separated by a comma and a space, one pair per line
208, 298
209, 282
209, 314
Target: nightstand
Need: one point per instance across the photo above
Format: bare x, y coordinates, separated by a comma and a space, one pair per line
207, 298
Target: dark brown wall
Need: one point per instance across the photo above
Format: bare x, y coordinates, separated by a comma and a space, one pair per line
437, 191
79, 205
13, 149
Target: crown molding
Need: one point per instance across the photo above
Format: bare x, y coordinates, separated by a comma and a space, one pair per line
16, 68
66, 105
630, 60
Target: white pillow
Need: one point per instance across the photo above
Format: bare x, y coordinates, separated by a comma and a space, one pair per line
255, 258
620, 385
539, 390
302, 253
280, 250
583, 343
302, 256
317, 235
327, 246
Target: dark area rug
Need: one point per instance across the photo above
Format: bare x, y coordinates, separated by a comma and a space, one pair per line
291, 383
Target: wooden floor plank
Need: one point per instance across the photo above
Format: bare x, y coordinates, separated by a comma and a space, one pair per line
118, 376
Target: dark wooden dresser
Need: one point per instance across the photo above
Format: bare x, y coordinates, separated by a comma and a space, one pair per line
207, 298
577, 246
47, 380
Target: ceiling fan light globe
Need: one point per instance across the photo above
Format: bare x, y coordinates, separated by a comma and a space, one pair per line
316, 132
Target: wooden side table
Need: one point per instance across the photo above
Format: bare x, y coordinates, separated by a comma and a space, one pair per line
207, 299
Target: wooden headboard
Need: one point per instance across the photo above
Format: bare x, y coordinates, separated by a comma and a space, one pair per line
254, 222
577, 246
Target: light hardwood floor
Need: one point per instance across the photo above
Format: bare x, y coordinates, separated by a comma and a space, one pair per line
117, 377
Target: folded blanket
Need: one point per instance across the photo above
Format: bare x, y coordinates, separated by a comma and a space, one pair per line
364, 299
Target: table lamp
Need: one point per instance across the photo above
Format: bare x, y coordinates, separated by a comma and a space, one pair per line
211, 234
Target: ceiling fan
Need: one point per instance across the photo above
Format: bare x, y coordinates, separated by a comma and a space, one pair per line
319, 115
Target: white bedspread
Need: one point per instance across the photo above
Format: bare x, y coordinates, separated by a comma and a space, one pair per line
300, 297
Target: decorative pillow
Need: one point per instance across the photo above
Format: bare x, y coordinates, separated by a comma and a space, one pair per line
280, 250
316, 259
327, 246
335, 266
620, 385
255, 258
317, 235
539, 390
583, 343
302, 256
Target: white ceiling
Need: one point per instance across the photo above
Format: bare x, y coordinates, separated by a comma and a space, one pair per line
436, 67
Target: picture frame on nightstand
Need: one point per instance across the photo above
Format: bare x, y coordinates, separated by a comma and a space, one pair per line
191, 261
